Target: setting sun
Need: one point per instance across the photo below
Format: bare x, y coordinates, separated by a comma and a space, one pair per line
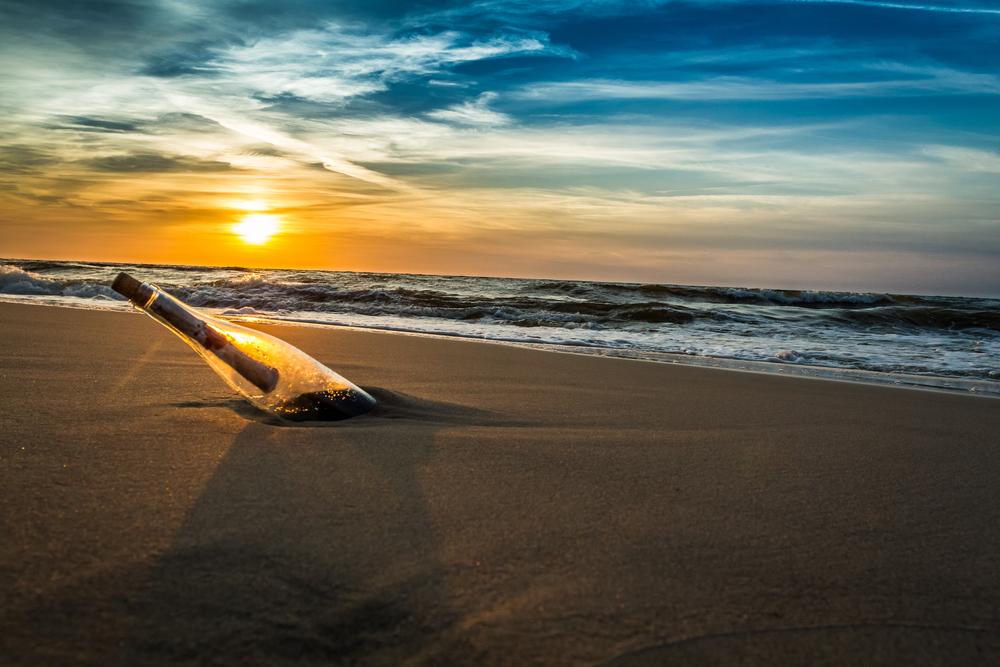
257, 228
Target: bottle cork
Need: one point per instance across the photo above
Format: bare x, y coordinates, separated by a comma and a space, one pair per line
132, 289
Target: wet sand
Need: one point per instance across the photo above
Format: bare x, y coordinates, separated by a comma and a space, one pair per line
502, 506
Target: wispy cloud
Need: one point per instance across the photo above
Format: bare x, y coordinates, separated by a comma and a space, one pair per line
743, 88
336, 63
966, 159
915, 6
475, 112
513, 8
264, 133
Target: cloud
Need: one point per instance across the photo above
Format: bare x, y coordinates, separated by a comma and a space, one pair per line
264, 133
938, 81
513, 9
914, 6
966, 159
24, 159
153, 162
335, 63
475, 112
179, 60
87, 124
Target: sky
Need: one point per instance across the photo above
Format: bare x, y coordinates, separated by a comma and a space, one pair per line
821, 144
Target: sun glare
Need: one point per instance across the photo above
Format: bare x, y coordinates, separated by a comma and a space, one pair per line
257, 228
250, 205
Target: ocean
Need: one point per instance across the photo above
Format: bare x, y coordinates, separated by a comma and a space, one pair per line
931, 341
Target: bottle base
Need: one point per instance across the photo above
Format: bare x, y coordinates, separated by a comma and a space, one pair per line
326, 406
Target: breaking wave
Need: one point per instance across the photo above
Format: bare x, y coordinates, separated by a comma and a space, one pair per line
892, 333
20, 281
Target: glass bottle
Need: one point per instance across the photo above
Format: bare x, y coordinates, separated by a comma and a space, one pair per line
273, 375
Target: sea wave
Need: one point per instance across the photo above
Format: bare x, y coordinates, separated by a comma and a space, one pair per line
734, 295
929, 335
595, 304
20, 281
876, 310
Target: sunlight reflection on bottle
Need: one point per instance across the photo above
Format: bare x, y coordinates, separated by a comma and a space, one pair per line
270, 373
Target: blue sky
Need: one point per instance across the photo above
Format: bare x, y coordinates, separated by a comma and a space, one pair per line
792, 143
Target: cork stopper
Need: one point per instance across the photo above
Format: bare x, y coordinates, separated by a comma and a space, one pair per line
131, 289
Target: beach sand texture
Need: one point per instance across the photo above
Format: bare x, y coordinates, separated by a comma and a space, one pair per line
502, 506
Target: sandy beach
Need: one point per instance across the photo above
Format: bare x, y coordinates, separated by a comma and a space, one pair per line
502, 506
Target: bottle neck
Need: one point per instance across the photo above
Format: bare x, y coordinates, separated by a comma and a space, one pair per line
139, 293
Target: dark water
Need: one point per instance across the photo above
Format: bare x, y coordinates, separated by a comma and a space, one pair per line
935, 337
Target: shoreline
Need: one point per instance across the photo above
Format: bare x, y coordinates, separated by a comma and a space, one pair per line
931, 383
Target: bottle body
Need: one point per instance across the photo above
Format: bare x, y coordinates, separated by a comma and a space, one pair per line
270, 373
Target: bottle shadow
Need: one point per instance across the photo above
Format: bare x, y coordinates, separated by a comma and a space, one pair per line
390, 405
315, 544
